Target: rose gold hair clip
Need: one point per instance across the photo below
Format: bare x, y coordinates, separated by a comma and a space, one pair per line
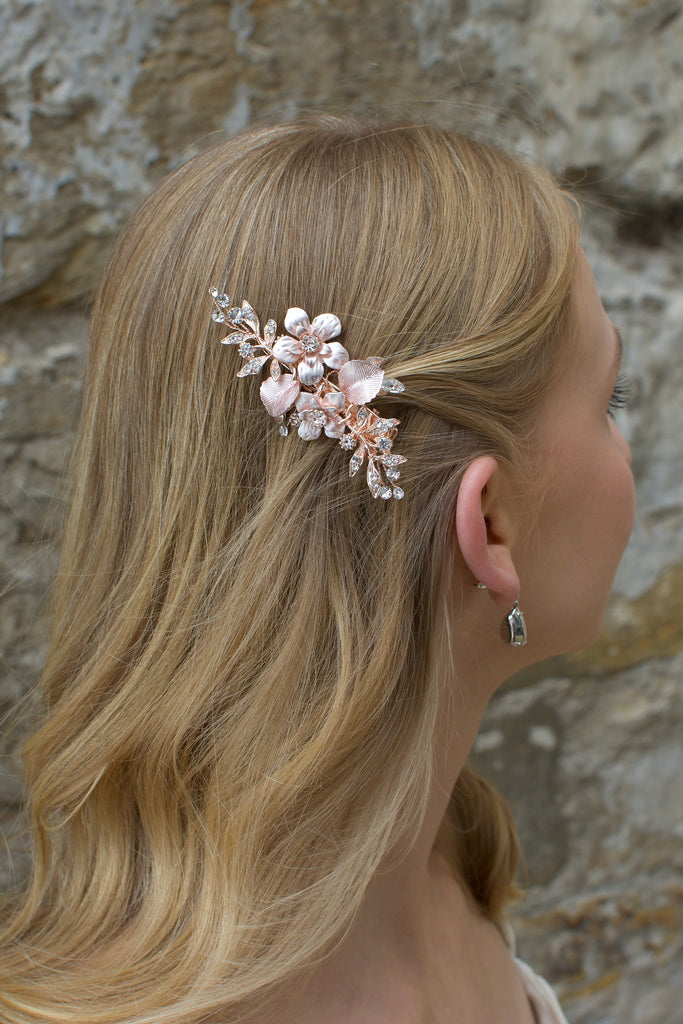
306, 397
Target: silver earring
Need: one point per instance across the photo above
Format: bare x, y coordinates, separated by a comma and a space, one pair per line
514, 627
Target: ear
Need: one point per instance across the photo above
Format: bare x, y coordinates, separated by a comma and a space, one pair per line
484, 530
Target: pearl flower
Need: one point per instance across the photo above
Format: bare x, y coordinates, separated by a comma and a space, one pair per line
309, 350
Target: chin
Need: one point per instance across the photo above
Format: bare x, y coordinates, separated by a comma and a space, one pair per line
589, 634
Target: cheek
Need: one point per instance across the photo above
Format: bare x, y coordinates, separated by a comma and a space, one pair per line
626, 505
624, 486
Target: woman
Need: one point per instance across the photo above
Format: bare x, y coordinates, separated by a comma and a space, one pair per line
249, 796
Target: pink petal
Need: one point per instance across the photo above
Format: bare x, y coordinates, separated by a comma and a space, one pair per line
307, 403
278, 395
287, 350
333, 403
309, 430
325, 326
360, 380
335, 355
333, 428
296, 321
311, 370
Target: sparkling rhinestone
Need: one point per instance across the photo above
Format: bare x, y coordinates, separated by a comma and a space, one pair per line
349, 442
310, 343
384, 444
235, 315
223, 300
213, 291
393, 460
246, 350
253, 366
284, 429
218, 316
391, 386
398, 492
249, 317
270, 330
319, 418
294, 419
393, 474
362, 414
354, 464
385, 492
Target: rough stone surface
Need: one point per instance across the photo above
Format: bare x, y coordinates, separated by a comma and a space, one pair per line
592, 770
99, 101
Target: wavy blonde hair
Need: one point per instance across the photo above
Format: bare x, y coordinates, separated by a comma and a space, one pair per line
240, 688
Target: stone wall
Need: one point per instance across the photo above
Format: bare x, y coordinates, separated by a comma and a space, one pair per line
100, 100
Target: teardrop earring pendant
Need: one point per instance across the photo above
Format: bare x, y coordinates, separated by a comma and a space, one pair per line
514, 627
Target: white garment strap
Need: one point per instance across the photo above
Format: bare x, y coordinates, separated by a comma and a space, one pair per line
541, 996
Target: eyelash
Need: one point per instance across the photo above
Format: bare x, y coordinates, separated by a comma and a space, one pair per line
620, 395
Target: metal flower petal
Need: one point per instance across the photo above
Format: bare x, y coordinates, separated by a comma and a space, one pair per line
296, 321
311, 370
279, 395
325, 326
335, 355
360, 380
308, 430
288, 350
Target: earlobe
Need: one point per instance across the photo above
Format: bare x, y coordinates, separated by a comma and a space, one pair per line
481, 532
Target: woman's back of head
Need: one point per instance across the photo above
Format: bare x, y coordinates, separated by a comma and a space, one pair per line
241, 680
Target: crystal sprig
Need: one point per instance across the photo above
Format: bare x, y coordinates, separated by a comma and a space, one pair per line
317, 402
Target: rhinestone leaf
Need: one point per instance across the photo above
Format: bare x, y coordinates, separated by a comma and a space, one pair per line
374, 479
223, 300
398, 492
253, 366
275, 370
249, 317
356, 461
362, 414
269, 331
246, 350
233, 339
218, 316
392, 460
383, 426
235, 315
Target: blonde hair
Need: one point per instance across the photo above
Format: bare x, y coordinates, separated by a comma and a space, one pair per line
240, 686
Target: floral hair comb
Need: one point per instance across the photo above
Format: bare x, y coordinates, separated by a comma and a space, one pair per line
307, 398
